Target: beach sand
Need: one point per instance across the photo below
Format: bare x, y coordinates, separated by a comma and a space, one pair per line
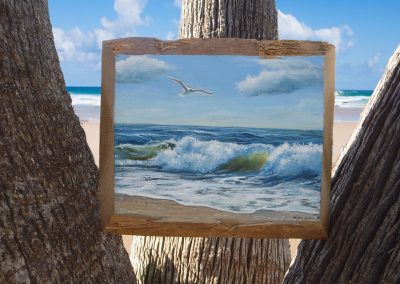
341, 133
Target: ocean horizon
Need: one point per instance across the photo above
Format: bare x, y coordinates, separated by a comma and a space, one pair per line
87, 100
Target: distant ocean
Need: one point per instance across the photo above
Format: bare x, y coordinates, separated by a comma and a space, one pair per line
232, 169
86, 102
348, 103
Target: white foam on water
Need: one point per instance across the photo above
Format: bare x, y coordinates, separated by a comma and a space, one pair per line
90, 100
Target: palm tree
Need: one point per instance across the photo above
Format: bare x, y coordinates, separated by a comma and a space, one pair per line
49, 218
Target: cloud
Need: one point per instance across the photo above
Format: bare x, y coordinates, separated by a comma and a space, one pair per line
281, 76
291, 28
75, 45
170, 35
136, 69
178, 3
373, 62
129, 16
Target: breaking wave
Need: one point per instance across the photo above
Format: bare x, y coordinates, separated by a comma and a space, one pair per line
189, 154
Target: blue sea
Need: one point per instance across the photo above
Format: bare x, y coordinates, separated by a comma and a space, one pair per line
86, 102
348, 103
232, 169
352, 98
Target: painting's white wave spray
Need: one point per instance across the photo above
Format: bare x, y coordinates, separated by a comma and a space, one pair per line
189, 154
295, 160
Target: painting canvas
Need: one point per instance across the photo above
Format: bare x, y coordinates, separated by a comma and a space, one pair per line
204, 138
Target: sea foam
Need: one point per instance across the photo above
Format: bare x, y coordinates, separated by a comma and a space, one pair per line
190, 154
295, 160
80, 99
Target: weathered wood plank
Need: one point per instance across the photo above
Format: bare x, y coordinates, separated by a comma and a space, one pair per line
107, 196
219, 46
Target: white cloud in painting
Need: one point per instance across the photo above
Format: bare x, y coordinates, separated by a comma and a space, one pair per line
290, 27
136, 69
281, 76
75, 45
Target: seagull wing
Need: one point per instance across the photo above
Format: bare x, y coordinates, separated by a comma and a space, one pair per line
183, 85
202, 91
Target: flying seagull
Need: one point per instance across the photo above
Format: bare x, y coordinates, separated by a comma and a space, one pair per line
186, 90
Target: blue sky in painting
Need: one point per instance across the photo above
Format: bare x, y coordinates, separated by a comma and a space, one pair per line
365, 32
247, 91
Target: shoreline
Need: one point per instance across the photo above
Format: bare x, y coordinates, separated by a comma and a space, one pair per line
165, 208
342, 131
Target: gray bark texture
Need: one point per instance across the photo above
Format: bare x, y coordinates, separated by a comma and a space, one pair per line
364, 238
216, 260
255, 19
209, 260
49, 218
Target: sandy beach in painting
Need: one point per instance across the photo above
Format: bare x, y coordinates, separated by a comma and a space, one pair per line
342, 131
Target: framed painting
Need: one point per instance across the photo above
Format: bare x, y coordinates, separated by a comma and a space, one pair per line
216, 137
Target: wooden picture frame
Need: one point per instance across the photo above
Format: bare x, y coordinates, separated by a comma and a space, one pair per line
168, 219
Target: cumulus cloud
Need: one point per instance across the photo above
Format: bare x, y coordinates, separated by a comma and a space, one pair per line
139, 68
75, 45
129, 16
291, 28
281, 76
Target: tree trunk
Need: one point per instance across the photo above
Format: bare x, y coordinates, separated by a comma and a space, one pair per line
209, 260
364, 238
49, 219
216, 260
256, 19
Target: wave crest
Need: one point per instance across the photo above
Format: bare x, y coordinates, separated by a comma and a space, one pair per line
196, 156
193, 155
295, 160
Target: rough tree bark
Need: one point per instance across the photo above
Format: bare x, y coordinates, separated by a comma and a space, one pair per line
256, 19
364, 238
49, 219
216, 260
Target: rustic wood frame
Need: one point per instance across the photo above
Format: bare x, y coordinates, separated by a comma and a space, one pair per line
218, 225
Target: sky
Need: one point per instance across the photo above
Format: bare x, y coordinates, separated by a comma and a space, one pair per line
365, 32
246, 91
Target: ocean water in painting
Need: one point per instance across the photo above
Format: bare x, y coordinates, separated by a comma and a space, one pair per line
240, 134
234, 169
